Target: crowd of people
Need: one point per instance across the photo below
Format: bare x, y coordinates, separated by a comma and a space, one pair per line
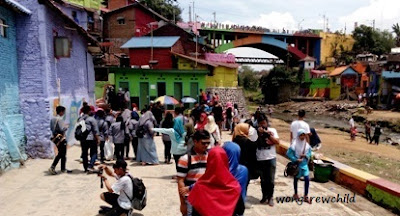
208, 170
369, 127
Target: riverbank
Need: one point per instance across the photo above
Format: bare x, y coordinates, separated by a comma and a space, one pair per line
381, 160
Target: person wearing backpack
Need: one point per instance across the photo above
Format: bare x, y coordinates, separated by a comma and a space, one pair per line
58, 128
120, 193
103, 129
132, 126
117, 131
90, 138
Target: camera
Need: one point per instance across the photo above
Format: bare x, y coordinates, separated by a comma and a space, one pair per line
99, 173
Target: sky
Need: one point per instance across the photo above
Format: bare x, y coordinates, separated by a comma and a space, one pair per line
297, 14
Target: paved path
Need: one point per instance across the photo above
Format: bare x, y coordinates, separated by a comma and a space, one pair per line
31, 191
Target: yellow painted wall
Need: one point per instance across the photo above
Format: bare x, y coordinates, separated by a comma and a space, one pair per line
185, 64
326, 46
335, 89
223, 77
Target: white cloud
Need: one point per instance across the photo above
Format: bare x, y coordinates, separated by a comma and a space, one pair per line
275, 20
384, 12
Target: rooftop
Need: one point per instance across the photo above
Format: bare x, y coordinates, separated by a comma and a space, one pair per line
147, 42
15, 6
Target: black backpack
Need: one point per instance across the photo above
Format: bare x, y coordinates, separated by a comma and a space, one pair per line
140, 131
79, 134
139, 198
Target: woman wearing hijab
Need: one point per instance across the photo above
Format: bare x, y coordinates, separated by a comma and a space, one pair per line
132, 126
213, 129
240, 172
167, 122
217, 191
247, 147
300, 152
177, 135
202, 121
147, 152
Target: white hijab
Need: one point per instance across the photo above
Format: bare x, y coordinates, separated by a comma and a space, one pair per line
298, 144
211, 126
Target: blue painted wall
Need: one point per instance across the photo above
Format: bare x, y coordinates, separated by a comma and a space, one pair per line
39, 71
12, 142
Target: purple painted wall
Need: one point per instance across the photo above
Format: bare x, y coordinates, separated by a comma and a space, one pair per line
39, 71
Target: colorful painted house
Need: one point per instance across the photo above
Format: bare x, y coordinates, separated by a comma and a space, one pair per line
146, 84
131, 20
343, 79
154, 51
12, 134
55, 68
319, 83
331, 42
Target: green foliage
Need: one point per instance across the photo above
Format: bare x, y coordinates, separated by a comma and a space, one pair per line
273, 83
342, 55
372, 40
396, 30
164, 7
248, 78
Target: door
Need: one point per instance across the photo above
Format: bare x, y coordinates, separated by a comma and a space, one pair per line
161, 89
144, 94
194, 90
178, 90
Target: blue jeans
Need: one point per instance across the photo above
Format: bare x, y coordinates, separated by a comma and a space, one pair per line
189, 207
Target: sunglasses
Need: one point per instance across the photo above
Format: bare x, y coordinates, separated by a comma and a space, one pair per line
205, 143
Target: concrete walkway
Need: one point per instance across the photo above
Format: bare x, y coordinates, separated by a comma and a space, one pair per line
31, 191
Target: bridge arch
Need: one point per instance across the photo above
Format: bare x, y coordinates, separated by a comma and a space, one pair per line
269, 44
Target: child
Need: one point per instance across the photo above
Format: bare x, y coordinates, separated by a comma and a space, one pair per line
353, 133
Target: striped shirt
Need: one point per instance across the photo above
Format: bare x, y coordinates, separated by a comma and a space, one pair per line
196, 168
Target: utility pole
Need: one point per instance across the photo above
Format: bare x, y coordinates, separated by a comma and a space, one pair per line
215, 16
373, 24
190, 14
323, 17
195, 21
194, 13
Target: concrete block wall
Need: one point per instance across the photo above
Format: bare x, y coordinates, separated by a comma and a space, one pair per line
39, 71
233, 95
12, 142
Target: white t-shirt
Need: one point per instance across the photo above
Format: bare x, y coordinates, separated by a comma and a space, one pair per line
123, 184
269, 152
253, 136
299, 124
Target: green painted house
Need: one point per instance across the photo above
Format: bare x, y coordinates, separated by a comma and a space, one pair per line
147, 84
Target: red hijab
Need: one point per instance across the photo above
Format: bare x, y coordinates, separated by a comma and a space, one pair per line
217, 191
201, 124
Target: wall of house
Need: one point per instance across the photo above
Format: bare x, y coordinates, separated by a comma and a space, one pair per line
223, 77
142, 19
326, 46
136, 76
39, 72
142, 57
80, 14
335, 88
94, 4
115, 4
185, 64
12, 138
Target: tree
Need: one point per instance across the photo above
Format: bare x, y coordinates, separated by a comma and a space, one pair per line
396, 30
278, 85
342, 55
248, 78
165, 7
372, 40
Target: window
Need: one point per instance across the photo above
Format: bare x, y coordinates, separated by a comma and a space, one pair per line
75, 17
3, 27
121, 20
62, 47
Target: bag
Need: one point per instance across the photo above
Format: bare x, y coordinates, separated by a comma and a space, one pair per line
108, 150
58, 139
140, 131
139, 199
292, 169
81, 132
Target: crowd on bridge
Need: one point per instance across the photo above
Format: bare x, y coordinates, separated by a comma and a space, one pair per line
244, 28
208, 169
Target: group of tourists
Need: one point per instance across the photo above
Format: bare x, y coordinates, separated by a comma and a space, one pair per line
368, 125
208, 170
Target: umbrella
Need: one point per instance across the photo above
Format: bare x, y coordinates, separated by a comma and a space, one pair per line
188, 100
167, 100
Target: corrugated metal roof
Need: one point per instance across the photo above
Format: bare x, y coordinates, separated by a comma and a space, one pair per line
145, 42
390, 75
337, 71
17, 6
